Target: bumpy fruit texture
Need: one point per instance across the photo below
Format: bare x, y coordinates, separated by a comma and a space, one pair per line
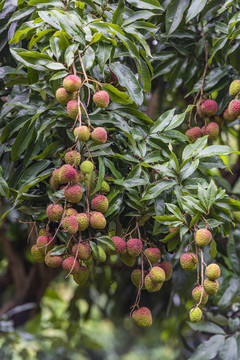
83, 250
218, 119
70, 224
234, 88
101, 99
213, 272
82, 133
100, 203
72, 83
203, 237
212, 130
71, 265
86, 167
194, 133
99, 135
71, 211
167, 267
142, 317
211, 287
196, 294
37, 255
43, 231
101, 255
152, 286
229, 117
53, 261
127, 259
67, 173
83, 221
63, 96
53, 183
73, 193
81, 275
199, 108
54, 212
119, 244
195, 315
44, 244
209, 107
137, 277
105, 188
72, 157
72, 109
153, 254
55, 175
234, 107
188, 261
97, 220
134, 247
157, 274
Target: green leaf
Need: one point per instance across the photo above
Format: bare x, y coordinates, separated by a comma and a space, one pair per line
58, 250
162, 122
22, 141
215, 150
207, 327
116, 95
50, 149
213, 249
229, 350
174, 14
107, 240
104, 52
196, 7
4, 190
193, 149
146, 4
156, 190
131, 182
208, 349
175, 211
118, 13
188, 169
231, 251
230, 292
101, 174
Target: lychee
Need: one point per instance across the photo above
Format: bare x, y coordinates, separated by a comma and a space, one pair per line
167, 267
71, 211
194, 133
157, 274
67, 173
127, 259
54, 212
43, 231
100, 203
209, 107
137, 277
101, 99
234, 88
195, 315
218, 119
73, 193
212, 130
70, 264
55, 175
82, 133
53, 261
188, 261
101, 255
196, 294
142, 317
199, 108
153, 254
70, 224
83, 221
203, 237
53, 183
86, 167
211, 287
229, 117
119, 244
97, 220
72, 83
213, 272
37, 255
63, 96
72, 157
81, 275
105, 188
72, 109
44, 244
134, 247
99, 135
84, 251
152, 286
234, 107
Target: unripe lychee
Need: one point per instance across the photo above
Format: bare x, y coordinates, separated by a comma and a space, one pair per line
70, 224
44, 244
105, 188
234, 107
70, 264
196, 294
229, 117
194, 133
73, 193
54, 212
72, 157
234, 88
72, 83
37, 255
86, 167
71, 211
67, 173
43, 231
195, 315
213, 271
81, 275
99, 135
218, 119
203, 237
119, 244
137, 277
101, 99
152, 286
212, 130
209, 107
100, 203
72, 109
53, 261
157, 274
55, 175
167, 267
127, 259
134, 247
97, 220
83, 221
188, 261
101, 255
82, 133
211, 287
84, 251
63, 96
153, 254
142, 317
53, 183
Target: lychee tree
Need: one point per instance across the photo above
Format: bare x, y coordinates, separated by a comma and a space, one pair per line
90, 172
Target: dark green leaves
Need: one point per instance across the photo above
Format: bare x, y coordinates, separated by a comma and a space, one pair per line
174, 14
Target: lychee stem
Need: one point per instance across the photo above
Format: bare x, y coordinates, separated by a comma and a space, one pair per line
196, 255
75, 258
202, 278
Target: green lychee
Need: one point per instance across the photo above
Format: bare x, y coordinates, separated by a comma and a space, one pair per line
234, 88
194, 133
43, 231
127, 259
54, 212
83, 250
67, 173
63, 96
71, 211
97, 220
71, 265
72, 109
100, 203
70, 224
81, 275
72, 83
211, 287
195, 315
157, 274
53, 183
196, 294
134, 247
101, 99
137, 277
86, 167
142, 317
72, 157
83, 221
99, 135
53, 261
73, 193
152, 286
213, 272
203, 237
82, 133
153, 254
101, 255
105, 188
188, 261
37, 255
167, 267
55, 175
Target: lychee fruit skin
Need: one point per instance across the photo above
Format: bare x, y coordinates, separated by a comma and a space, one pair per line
72, 83
72, 157
234, 107
136, 277
70, 224
213, 272
153, 254
127, 259
152, 286
44, 244
86, 167
105, 188
73, 193
83, 221
71, 211
157, 274
100, 203
67, 173
199, 108
101, 99
70, 263
134, 247
188, 261
194, 133
81, 275
211, 287
119, 244
53, 183
234, 88
203, 237
196, 294
53, 261
229, 117
72, 109
99, 135
97, 220
43, 231
37, 255
218, 120
55, 175
84, 251
167, 267
54, 212
82, 133
195, 315
101, 256
63, 96
209, 107
142, 317
212, 130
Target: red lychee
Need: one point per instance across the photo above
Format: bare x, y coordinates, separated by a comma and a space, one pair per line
134, 247
119, 244
53, 261
142, 317
63, 96
234, 107
54, 212
99, 135
72, 109
97, 220
209, 107
212, 130
153, 254
82, 133
72, 83
100, 203
229, 117
73, 193
101, 99
70, 224
194, 133
70, 264
72, 157
67, 173
83, 221
84, 251
44, 244
188, 261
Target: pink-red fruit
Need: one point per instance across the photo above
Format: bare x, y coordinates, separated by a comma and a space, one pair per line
82, 133
72, 83
83, 250
229, 117
120, 246
142, 317
213, 272
72, 109
54, 212
234, 107
101, 99
188, 261
70, 224
134, 247
44, 244
72, 157
194, 133
53, 261
67, 173
97, 220
212, 130
152, 254
203, 237
209, 107
71, 265
73, 193
63, 96
100, 203
99, 135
